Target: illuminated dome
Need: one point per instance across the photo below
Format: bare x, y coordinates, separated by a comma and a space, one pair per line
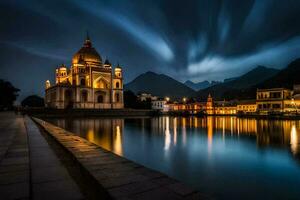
87, 54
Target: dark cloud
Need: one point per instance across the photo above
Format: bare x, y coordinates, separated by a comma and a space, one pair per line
195, 39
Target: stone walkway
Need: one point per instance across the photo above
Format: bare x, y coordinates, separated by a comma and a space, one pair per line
49, 178
14, 158
29, 169
121, 178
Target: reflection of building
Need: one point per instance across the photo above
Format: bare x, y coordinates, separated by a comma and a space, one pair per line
88, 84
276, 100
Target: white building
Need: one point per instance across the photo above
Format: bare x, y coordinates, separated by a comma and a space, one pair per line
160, 105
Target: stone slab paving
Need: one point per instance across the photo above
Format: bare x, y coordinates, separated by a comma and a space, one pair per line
49, 178
29, 168
14, 158
123, 179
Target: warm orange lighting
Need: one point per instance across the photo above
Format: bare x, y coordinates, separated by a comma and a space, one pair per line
91, 136
294, 139
209, 133
118, 142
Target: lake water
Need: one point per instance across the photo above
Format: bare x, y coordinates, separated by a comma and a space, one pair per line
225, 157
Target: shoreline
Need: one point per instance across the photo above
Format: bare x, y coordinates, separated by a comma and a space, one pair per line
133, 113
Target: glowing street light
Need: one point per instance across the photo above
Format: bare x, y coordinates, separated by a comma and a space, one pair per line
184, 99
167, 98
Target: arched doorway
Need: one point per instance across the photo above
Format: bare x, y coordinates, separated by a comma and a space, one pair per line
68, 99
117, 97
100, 99
82, 82
84, 96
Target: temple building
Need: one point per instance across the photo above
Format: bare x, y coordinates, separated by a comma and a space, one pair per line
87, 84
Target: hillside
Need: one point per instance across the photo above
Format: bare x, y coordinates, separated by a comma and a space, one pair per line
200, 85
160, 85
287, 77
231, 89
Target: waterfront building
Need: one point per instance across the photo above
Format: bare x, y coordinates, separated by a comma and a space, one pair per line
209, 106
160, 105
87, 84
247, 107
220, 107
276, 100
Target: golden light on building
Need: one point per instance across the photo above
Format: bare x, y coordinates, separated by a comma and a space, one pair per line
87, 84
167, 99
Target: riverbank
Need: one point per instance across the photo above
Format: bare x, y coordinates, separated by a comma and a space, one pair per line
56, 113
128, 113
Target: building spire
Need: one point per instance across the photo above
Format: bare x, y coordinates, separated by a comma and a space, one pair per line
87, 35
87, 42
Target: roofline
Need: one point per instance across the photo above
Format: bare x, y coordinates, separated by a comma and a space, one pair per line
272, 89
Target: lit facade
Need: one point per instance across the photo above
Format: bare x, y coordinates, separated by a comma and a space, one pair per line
160, 105
88, 84
276, 100
247, 107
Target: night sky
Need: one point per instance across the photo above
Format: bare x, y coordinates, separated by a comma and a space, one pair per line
189, 40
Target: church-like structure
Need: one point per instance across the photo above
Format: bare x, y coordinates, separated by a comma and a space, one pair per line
87, 84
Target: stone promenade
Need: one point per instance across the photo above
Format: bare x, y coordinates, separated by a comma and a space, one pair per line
29, 169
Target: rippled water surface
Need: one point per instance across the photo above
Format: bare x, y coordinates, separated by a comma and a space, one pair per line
225, 157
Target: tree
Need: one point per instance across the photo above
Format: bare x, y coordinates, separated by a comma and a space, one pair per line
8, 94
130, 99
33, 101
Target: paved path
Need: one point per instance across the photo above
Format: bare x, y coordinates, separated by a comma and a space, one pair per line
121, 178
14, 158
29, 169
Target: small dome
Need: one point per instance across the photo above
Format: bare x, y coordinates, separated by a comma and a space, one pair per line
87, 54
118, 67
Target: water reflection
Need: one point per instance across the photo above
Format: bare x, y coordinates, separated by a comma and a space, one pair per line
108, 133
206, 152
294, 140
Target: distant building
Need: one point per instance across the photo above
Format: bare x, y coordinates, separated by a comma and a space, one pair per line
89, 83
247, 106
143, 96
160, 105
210, 106
220, 107
272, 100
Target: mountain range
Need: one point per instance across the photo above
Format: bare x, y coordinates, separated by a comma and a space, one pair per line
200, 85
160, 85
249, 79
242, 87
